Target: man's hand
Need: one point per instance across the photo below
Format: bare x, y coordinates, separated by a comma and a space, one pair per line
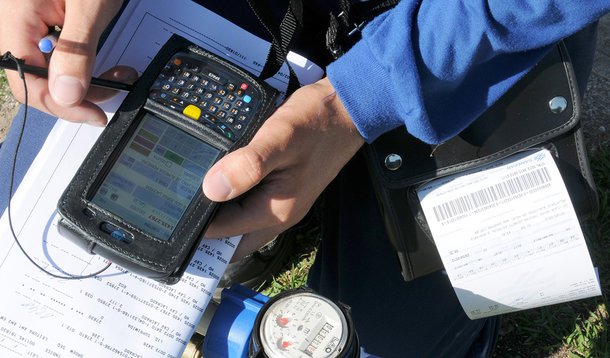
278, 176
65, 93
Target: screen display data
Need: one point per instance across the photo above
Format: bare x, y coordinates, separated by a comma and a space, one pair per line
155, 177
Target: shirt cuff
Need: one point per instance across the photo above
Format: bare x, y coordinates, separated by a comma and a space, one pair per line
369, 99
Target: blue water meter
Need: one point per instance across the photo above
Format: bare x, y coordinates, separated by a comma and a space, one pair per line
295, 323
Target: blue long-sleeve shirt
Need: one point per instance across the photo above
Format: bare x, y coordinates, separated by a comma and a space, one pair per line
435, 66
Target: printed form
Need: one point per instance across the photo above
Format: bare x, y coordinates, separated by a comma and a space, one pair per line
509, 237
117, 313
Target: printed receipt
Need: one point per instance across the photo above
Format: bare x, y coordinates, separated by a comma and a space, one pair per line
509, 237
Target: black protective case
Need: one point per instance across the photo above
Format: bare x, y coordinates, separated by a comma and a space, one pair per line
520, 120
164, 261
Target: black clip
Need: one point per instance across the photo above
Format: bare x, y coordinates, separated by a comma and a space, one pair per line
356, 27
340, 33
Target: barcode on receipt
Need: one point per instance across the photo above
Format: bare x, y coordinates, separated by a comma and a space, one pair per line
491, 194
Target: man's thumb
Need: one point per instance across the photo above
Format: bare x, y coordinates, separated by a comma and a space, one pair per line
235, 174
74, 55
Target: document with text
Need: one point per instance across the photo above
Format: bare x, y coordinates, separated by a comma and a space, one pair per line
509, 237
116, 313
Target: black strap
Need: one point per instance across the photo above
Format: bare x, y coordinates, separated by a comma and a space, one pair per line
340, 35
282, 35
344, 29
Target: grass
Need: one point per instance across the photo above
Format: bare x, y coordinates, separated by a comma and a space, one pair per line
575, 329
295, 273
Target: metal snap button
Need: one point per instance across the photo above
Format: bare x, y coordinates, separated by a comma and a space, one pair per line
393, 161
558, 104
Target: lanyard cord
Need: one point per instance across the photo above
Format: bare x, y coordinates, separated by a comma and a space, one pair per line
67, 276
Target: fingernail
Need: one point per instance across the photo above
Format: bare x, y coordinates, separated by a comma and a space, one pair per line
125, 74
67, 90
217, 187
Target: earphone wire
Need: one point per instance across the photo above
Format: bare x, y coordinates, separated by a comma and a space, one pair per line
11, 184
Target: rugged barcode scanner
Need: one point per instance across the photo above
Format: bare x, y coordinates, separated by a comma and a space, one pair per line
137, 198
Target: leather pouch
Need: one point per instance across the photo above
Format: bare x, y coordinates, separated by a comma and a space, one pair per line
541, 111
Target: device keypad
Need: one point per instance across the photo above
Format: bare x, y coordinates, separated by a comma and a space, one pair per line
205, 93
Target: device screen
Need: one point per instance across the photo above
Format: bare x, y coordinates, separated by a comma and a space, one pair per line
155, 177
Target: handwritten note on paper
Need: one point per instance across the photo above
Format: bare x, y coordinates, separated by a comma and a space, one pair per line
509, 237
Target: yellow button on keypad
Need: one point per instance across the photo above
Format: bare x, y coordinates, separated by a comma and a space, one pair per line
193, 112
